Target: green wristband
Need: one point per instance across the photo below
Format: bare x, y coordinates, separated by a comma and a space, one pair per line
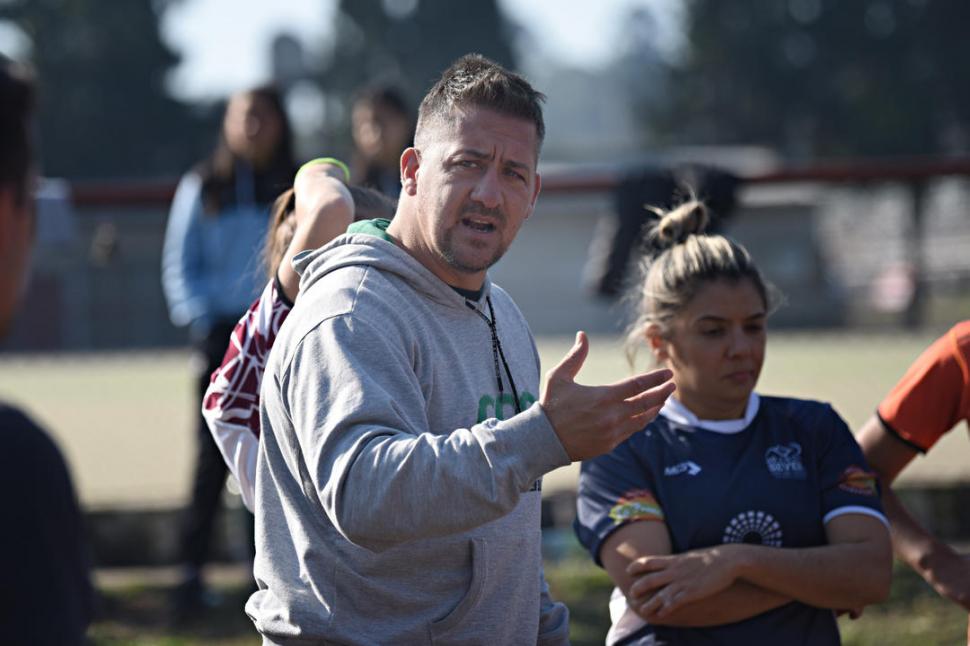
325, 160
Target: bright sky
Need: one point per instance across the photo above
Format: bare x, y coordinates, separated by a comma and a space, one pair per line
225, 43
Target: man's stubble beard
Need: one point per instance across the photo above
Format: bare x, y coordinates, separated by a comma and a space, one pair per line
447, 248
446, 245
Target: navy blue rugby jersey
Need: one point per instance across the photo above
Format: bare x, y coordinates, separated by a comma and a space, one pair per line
775, 480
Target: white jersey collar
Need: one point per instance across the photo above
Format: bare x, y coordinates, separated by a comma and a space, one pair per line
676, 412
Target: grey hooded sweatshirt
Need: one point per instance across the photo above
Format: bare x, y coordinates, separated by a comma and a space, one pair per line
397, 490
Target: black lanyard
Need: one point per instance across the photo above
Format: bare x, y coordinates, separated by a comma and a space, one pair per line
497, 353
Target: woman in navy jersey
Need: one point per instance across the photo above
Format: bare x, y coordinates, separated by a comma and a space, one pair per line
733, 518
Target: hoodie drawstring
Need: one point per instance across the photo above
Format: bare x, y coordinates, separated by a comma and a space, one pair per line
497, 353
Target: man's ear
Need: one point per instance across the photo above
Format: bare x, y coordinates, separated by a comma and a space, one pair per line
410, 162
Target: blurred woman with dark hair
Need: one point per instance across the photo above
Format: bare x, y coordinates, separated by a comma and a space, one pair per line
211, 273
382, 127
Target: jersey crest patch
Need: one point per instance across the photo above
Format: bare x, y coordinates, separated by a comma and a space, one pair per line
857, 480
638, 504
785, 461
754, 528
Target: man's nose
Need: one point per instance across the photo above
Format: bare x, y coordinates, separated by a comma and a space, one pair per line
488, 191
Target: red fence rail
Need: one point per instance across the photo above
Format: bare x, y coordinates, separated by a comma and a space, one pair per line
584, 179
915, 172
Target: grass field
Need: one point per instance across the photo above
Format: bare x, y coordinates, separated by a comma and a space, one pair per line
135, 613
124, 421
912, 615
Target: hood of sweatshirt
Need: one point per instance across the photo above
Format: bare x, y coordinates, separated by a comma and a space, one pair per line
366, 243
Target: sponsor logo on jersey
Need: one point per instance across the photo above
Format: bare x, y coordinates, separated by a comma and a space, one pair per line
755, 528
857, 480
690, 468
785, 461
638, 504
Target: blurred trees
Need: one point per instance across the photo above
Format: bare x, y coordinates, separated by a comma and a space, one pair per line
408, 43
823, 77
104, 110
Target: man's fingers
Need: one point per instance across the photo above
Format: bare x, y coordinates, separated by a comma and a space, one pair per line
569, 367
643, 418
635, 421
641, 410
634, 386
651, 398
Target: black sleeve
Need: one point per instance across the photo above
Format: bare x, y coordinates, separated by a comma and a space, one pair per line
46, 595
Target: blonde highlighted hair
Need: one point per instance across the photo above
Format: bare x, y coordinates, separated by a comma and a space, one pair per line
680, 259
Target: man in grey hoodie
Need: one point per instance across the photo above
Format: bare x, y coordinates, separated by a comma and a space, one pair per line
403, 439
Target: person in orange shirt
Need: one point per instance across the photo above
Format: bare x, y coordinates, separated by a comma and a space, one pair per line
929, 401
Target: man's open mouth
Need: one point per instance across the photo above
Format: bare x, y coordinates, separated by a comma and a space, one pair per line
477, 224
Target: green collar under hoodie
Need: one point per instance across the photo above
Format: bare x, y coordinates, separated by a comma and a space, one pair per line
398, 492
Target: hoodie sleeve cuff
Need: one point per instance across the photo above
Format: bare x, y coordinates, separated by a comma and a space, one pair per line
530, 436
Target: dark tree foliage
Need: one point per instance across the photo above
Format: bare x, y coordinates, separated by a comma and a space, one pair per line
104, 110
409, 42
823, 77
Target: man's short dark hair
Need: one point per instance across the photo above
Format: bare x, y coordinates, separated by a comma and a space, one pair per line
474, 80
16, 107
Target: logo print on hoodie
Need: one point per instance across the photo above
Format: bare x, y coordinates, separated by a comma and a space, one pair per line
503, 406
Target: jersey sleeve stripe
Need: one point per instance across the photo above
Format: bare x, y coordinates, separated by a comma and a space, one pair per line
855, 509
896, 434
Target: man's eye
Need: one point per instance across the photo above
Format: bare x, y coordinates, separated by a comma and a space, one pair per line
713, 332
467, 163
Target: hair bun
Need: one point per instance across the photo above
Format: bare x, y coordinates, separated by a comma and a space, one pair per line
678, 224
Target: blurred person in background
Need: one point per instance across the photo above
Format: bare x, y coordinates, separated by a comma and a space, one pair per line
210, 274
382, 127
45, 590
733, 518
931, 399
318, 208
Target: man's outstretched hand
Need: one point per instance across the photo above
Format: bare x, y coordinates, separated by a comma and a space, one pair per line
592, 420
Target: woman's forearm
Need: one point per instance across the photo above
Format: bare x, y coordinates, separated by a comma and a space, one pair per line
843, 575
851, 571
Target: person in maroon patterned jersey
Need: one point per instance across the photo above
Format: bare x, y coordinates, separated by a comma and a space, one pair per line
317, 209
